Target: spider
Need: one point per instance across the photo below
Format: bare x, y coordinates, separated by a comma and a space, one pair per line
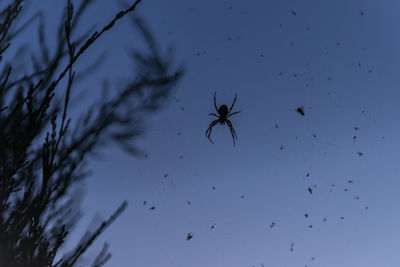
223, 114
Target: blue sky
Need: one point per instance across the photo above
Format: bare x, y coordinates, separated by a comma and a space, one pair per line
346, 67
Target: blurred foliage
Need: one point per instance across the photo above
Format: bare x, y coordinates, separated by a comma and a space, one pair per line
43, 153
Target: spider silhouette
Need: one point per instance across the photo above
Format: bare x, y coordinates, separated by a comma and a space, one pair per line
223, 114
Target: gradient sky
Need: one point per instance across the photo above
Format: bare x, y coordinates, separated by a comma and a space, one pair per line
347, 68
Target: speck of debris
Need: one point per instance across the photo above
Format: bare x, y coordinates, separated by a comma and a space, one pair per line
350, 181
212, 226
282, 147
341, 217
300, 110
242, 196
310, 226
324, 220
189, 236
189, 203
179, 133
291, 246
213, 187
272, 225
166, 175
360, 153
152, 208
308, 174
310, 190
293, 13
306, 215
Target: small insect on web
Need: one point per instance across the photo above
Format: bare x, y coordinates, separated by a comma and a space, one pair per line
223, 114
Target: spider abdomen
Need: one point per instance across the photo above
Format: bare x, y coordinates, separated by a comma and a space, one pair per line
223, 111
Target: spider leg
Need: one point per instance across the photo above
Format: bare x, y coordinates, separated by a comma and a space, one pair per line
209, 129
233, 113
213, 114
231, 127
208, 132
234, 100
215, 101
233, 133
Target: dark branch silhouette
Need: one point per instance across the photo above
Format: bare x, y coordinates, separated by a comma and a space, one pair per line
43, 153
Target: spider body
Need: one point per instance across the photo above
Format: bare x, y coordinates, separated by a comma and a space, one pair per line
223, 114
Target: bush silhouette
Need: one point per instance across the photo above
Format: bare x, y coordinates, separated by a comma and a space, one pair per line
43, 153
